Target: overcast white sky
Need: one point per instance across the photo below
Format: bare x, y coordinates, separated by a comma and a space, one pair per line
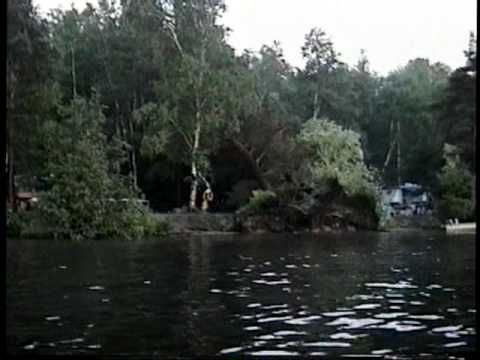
391, 31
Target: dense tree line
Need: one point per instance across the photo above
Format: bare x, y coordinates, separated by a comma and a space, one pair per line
178, 112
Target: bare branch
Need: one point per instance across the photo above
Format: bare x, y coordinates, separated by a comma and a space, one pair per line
269, 143
174, 37
207, 184
180, 130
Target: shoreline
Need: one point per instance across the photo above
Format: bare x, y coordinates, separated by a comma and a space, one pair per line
230, 224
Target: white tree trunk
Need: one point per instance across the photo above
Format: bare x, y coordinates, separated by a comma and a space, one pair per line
196, 142
207, 195
10, 136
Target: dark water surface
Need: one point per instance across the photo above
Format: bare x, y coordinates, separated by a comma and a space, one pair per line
408, 294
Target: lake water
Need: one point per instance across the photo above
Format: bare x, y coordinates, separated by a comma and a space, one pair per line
403, 294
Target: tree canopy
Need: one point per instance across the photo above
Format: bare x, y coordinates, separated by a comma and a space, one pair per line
162, 87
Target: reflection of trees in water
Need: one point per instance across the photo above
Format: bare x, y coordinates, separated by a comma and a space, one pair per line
178, 314
197, 292
198, 256
18, 274
17, 257
206, 326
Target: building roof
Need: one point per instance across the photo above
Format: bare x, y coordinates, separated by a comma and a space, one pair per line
24, 195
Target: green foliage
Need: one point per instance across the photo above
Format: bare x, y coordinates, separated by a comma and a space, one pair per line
151, 122
456, 108
335, 154
455, 186
260, 202
85, 196
27, 224
15, 224
152, 226
28, 87
319, 52
335, 159
173, 94
404, 119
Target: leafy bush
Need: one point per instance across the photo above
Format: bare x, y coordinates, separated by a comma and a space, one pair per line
261, 201
335, 156
455, 186
152, 226
85, 197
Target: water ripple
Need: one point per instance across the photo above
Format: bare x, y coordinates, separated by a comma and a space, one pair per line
399, 285
279, 282
269, 307
328, 344
288, 333
346, 336
267, 274
447, 328
303, 321
381, 352
400, 326
367, 306
274, 353
252, 328
230, 350
455, 344
270, 319
426, 317
338, 313
354, 323
391, 315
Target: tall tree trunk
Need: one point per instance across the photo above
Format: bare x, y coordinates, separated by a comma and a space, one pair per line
122, 132
11, 176
132, 163
178, 201
198, 127
474, 186
117, 119
74, 77
315, 105
12, 80
399, 178
196, 143
132, 155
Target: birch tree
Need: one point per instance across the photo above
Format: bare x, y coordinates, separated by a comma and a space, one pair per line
192, 92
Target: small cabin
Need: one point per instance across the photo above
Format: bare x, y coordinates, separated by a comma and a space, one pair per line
408, 200
25, 200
